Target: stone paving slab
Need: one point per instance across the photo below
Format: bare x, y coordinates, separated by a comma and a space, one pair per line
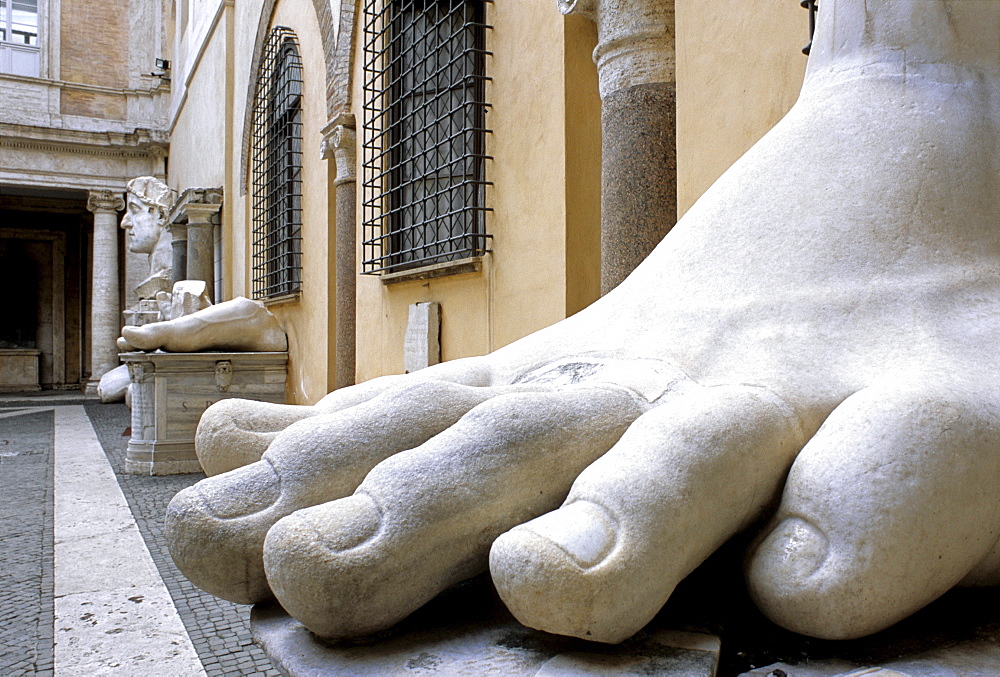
112, 612
219, 630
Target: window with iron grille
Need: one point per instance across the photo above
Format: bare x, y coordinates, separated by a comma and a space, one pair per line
424, 133
276, 166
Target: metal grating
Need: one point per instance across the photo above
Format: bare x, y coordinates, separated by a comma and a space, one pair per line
424, 133
813, 7
277, 168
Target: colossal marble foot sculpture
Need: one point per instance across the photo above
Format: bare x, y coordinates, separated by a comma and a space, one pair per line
821, 327
237, 325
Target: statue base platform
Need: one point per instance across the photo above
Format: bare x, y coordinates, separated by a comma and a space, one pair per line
468, 631
172, 390
19, 370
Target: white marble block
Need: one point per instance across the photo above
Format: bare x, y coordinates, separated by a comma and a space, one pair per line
422, 343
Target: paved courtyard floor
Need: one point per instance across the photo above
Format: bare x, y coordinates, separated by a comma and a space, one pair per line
89, 587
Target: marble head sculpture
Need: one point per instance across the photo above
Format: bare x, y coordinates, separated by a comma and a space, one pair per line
148, 200
830, 349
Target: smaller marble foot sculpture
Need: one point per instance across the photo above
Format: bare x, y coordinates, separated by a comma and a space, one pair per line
113, 385
238, 325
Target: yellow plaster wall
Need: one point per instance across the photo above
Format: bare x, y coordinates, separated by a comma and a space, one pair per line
539, 105
739, 69
206, 150
236, 232
306, 319
583, 166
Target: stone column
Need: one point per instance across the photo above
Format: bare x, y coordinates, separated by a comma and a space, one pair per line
635, 67
339, 144
105, 317
179, 243
201, 244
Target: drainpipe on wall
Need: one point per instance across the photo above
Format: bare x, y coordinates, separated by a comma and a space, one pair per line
635, 69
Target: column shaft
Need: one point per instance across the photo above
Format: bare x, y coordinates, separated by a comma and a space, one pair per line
105, 316
339, 143
179, 244
638, 177
635, 69
201, 253
344, 142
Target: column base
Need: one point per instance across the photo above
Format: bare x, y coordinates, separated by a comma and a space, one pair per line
90, 387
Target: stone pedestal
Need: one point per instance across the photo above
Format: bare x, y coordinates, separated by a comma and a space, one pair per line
468, 631
19, 370
172, 390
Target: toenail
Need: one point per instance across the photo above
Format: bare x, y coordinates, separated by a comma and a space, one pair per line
583, 530
799, 546
345, 523
241, 492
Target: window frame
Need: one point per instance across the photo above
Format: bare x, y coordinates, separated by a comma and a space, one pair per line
424, 134
276, 169
19, 57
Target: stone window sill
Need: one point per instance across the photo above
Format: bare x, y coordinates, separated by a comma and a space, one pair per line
281, 300
473, 264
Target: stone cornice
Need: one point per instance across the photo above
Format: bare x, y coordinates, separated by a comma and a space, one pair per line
140, 143
635, 40
159, 86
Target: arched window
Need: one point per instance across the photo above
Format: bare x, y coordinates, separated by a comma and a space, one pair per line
276, 166
424, 132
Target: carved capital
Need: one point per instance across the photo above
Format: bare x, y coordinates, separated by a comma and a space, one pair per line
339, 144
585, 8
201, 214
178, 232
635, 40
105, 201
195, 206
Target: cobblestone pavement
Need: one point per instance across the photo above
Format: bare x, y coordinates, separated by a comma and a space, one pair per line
218, 629
26, 597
